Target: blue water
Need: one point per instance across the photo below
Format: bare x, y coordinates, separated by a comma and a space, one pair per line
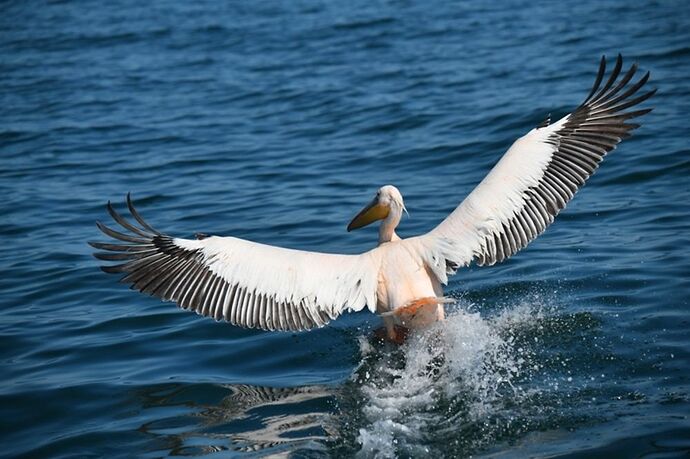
276, 121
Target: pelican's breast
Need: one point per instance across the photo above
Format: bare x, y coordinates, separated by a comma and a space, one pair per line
403, 277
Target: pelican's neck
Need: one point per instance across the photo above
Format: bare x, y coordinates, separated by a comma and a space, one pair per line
388, 225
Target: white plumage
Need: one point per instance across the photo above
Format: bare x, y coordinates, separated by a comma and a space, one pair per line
261, 286
283, 289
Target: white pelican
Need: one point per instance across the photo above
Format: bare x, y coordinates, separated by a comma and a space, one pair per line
273, 288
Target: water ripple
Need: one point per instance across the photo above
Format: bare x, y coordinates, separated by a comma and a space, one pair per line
275, 122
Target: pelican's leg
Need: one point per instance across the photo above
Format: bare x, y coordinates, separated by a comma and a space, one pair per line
389, 323
391, 331
440, 313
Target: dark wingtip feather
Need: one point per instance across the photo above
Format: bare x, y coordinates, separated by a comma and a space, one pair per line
612, 79
120, 247
647, 96
137, 217
637, 113
643, 80
597, 82
605, 96
102, 255
632, 102
125, 224
116, 269
630, 91
121, 236
109, 256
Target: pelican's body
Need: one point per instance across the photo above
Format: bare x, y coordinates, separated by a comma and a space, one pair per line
405, 278
403, 275
272, 288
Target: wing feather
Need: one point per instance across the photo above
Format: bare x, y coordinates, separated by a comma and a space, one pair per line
242, 282
539, 175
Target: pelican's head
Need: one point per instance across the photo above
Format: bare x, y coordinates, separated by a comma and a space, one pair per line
387, 202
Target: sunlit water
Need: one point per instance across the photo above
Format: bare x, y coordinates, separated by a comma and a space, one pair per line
276, 122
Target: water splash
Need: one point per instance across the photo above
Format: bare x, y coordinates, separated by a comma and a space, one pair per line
465, 382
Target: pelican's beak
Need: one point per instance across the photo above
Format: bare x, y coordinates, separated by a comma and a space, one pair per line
372, 212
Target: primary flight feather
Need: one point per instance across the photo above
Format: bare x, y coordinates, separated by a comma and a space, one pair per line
261, 286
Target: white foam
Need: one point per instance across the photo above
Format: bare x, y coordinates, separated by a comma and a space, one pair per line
465, 367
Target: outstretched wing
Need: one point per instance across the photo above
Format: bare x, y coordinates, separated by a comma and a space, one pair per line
245, 283
539, 174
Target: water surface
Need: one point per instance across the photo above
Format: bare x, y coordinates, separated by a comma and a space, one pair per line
276, 122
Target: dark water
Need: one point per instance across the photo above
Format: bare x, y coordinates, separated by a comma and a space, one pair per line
276, 121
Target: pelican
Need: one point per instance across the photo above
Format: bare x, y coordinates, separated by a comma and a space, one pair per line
272, 288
